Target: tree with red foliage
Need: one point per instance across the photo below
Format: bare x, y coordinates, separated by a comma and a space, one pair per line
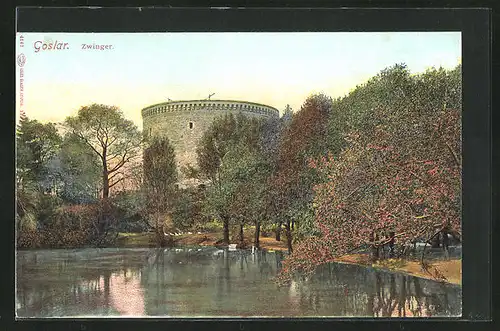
290, 193
398, 176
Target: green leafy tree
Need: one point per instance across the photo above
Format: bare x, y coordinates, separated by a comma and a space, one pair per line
160, 177
271, 137
37, 144
224, 134
131, 208
397, 175
79, 171
244, 175
188, 209
115, 140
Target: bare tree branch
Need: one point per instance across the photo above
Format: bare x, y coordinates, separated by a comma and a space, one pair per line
455, 157
114, 175
121, 163
119, 180
79, 135
112, 141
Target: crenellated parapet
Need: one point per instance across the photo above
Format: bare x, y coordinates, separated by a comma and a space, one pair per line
210, 105
184, 123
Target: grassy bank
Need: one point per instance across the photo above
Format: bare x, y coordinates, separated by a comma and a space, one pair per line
449, 271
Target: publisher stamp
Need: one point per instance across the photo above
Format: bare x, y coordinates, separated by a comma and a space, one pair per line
21, 61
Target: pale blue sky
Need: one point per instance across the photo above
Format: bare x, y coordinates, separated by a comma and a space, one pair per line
271, 68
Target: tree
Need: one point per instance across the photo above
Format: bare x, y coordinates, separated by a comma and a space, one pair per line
114, 139
225, 133
291, 184
272, 130
396, 177
244, 174
76, 170
37, 144
271, 137
160, 177
188, 208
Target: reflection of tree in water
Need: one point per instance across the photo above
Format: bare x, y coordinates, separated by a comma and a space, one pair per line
218, 283
188, 281
239, 275
279, 256
223, 276
332, 291
385, 299
346, 290
163, 273
264, 266
245, 262
404, 296
63, 286
78, 294
339, 290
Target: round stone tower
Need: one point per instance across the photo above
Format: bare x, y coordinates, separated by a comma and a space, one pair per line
184, 122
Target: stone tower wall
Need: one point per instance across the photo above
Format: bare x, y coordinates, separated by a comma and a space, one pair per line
184, 122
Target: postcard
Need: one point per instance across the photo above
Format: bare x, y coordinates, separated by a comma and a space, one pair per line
251, 174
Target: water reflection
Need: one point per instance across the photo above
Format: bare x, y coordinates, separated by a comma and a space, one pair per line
212, 282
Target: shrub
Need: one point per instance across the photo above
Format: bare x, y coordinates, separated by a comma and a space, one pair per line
72, 226
28, 238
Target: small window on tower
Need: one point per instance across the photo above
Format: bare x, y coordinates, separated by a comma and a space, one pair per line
190, 125
150, 132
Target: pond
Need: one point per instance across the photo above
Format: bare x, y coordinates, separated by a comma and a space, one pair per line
208, 282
